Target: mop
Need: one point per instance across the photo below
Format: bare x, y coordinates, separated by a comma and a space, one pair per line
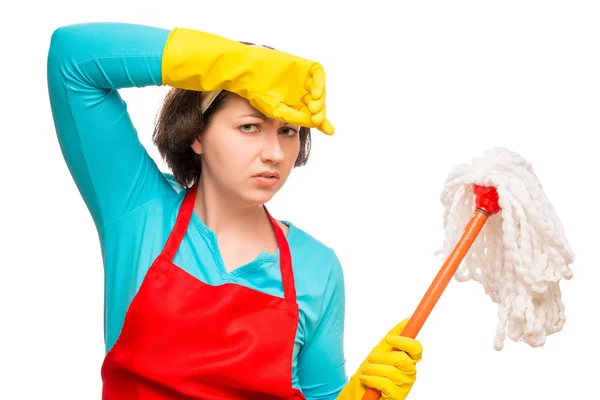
501, 231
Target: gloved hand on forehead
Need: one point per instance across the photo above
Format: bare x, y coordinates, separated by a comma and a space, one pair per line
390, 368
278, 84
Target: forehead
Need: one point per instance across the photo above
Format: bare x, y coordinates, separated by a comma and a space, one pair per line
235, 103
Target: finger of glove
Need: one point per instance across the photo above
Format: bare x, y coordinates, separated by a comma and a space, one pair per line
410, 346
326, 127
316, 81
284, 113
390, 372
314, 105
319, 117
388, 389
383, 345
397, 359
397, 330
273, 109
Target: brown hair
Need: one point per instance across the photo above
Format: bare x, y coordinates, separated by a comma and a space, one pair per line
180, 121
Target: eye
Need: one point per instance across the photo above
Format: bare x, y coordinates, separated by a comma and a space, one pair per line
287, 131
249, 128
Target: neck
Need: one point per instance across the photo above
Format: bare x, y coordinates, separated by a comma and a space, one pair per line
226, 215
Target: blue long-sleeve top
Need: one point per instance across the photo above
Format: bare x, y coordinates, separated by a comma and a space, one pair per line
134, 205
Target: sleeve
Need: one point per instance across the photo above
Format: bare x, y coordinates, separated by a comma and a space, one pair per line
321, 362
86, 65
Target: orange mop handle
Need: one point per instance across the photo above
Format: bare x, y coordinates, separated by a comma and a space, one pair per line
446, 272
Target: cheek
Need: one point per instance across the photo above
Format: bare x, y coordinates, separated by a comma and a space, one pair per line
222, 163
228, 159
291, 154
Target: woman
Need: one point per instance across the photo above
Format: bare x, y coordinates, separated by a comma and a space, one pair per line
203, 300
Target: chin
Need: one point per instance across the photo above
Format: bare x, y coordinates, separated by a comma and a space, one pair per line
260, 196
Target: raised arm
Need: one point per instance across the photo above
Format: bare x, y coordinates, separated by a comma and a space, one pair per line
87, 64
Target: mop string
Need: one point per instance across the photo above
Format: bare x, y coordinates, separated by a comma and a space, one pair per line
521, 255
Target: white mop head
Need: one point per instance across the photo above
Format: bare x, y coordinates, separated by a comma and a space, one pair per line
520, 255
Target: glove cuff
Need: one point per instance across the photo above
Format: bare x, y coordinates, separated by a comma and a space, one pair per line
191, 59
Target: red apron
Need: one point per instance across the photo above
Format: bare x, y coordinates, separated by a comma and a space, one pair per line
184, 339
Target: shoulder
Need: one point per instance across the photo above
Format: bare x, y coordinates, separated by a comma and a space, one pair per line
315, 263
319, 282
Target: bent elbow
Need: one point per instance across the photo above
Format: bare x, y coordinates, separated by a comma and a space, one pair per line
61, 40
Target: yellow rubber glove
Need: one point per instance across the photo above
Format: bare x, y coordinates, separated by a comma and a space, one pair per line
280, 85
390, 368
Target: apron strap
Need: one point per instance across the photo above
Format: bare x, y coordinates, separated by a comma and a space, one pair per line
181, 226
285, 261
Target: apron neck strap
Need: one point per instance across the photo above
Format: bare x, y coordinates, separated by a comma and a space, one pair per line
181, 226
285, 261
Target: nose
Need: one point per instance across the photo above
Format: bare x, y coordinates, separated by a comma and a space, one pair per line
272, 149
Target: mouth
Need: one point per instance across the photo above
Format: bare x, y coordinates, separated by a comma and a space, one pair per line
266, 178
268, 175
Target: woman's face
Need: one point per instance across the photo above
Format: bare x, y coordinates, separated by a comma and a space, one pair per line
245, 155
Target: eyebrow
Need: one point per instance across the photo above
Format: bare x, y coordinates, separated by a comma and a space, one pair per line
257, 114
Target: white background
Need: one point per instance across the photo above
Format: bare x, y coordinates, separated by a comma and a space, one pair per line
412, 91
